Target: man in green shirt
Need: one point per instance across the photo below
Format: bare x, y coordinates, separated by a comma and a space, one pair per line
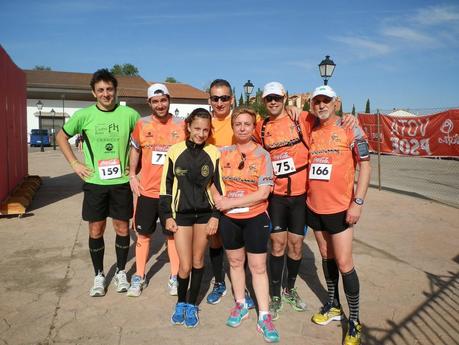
106, 128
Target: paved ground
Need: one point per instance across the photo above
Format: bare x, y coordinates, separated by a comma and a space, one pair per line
406, 252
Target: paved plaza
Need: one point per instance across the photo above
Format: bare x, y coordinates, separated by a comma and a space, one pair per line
406, 252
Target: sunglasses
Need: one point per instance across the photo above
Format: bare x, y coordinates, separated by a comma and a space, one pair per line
224, 98
276, 98
242, 162
324, 99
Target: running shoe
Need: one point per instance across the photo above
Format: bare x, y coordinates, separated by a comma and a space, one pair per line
137, 284
327, 314
98, 289
121, 282
178, 317
249, 300
267, 329
275, 307
353, 334
172, 284
217, 293
292, 298
191, 316
237, 314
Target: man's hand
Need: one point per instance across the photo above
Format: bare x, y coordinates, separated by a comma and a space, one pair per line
81, 170
135, 185
293, 112
223, 204
171, 225
353, 213
212, 226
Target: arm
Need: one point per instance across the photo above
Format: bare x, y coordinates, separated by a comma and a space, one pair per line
134, 156
247, 200
354, 211
349, 121
165, 195
80, 169
293, 112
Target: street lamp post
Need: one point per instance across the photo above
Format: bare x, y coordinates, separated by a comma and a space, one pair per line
248, 88
53, 114
40, 107
326, 68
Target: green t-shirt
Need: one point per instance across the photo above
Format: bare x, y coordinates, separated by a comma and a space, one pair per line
106, 136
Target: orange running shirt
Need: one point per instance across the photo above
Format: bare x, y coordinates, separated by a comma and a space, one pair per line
257, 171
222, 132
331, 167
287, 160
154, 138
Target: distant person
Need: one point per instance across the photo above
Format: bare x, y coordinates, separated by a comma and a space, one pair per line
106, 128
187, 209
151, 139
245, 225
334, 206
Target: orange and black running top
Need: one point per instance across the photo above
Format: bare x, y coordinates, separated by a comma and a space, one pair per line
243, 174
332, 167
154, 138
286, 142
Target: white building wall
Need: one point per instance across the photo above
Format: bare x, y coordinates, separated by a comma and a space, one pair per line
186, 109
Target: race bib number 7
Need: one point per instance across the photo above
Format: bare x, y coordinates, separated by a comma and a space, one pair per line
283, 166
158, 157
320, 171
109, 169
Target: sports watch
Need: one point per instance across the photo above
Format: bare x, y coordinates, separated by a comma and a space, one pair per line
358, 201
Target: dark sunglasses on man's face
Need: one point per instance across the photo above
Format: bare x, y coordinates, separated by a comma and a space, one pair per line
224, 98
276, 98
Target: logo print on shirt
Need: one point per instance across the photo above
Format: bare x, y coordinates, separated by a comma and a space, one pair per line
205, 170
108, 147
180, 172
113, 128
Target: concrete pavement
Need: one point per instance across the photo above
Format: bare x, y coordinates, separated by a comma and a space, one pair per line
406, 253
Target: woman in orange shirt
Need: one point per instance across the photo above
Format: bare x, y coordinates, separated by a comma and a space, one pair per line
246, 172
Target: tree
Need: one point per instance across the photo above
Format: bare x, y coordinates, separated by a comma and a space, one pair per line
241, 100
367, 107
306, 106
170, 80
126, 69
353, 109
258, 105
41, 68
340, 111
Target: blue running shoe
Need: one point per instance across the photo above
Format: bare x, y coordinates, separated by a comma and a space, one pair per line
217, 293
237, 314
249, 300
178, 317
267, 329
191, 316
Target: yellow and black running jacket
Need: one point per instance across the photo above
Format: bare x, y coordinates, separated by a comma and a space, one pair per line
188, 172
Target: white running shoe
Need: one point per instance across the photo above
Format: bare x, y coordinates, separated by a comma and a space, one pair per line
98, 289
173, 285
121, 282
137, 284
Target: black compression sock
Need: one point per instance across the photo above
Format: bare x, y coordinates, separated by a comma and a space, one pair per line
97, 250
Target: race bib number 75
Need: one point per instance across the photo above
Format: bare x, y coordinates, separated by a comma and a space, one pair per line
283, 166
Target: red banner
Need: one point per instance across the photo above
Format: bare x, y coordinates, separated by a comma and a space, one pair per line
428, 135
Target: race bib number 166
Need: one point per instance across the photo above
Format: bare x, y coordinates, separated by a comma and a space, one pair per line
320, 171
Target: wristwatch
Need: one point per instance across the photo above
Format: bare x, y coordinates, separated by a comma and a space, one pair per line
358, 201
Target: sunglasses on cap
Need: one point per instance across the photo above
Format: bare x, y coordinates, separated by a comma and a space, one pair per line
275, 98
242, 162
224, 98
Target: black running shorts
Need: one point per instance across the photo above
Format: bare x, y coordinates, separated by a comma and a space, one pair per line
251, 233
332, 223
101, 201
288, 213
146, 215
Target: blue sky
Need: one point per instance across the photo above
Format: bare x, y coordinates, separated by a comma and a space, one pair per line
399, 54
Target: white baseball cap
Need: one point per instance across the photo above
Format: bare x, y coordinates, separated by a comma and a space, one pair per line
273, 88
157, 89
324, 90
